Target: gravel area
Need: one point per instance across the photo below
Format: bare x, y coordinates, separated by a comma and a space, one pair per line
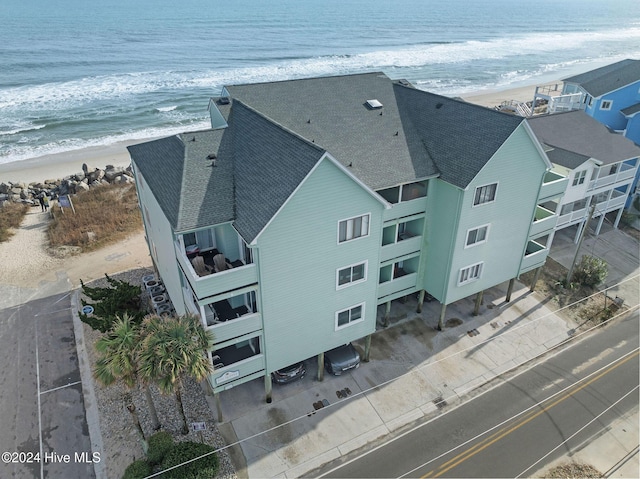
573, 471
120, 439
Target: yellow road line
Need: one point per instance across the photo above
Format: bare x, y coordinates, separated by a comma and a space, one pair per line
495, 437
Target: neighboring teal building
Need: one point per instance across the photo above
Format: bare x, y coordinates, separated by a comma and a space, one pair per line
311, 202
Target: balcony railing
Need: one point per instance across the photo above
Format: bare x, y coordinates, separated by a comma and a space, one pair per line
534, 257
617, 200
626, 172
403, 247
572, 217
397, 285
553, 185
216, 283
405, 208
237, 373
545, 220
226, 330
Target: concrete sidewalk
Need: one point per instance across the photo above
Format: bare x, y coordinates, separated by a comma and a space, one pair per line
414, 369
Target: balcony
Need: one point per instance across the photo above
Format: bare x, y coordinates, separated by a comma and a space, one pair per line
238, 276
553, 185
545, 220
407, 245
624, 172
225, 377
398, 286
605, 204
534, 257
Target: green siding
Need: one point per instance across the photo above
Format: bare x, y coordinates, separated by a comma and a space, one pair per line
300, 254
518, 169
161, 243
442, 220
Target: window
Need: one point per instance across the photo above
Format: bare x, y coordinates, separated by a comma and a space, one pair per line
353, 315
470, 273
579, 177
606, 105
353, 228
477, 235
614, 168
485, 194
351, 275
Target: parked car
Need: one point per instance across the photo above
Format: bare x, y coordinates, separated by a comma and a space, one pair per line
289, 374
341, 359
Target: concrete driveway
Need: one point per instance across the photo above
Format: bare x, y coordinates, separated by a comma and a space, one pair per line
617, 248
41, 398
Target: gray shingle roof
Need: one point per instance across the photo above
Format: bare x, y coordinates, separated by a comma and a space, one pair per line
460, 137
277, 132
631, 110
332, 112
608, 78
569, 159
189, 190
577, 132
270, 162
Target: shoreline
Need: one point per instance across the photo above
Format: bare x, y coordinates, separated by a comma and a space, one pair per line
60, 165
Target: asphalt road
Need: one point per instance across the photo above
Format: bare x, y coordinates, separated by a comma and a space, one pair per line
511, 430
42, 411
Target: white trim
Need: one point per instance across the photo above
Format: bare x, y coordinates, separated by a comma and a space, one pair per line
470, 278
608, 107
351, 322
351, 266
486, 236
357, 237
475, 190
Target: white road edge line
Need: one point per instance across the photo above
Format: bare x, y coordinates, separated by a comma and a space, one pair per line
51, 312
39, 405
60, 387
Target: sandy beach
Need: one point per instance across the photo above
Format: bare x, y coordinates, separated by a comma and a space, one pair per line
63, 164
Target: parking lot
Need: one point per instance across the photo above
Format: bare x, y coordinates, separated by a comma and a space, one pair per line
41, 399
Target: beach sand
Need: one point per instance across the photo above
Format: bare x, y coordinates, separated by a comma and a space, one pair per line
60, 165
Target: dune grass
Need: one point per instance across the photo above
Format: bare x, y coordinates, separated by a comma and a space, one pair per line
103, 215
11, 215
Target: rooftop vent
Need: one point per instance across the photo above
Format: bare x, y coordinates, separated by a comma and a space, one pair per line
374, 104
223, 100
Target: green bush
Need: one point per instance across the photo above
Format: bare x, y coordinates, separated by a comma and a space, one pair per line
591, 271
204, 468
138, 470
159, 444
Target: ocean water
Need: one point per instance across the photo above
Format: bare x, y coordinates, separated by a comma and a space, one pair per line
78, 73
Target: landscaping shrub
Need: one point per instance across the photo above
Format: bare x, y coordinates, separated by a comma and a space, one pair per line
137, 470
11, 215
591, 271
204, 468
103, 215
159, 444
119, 298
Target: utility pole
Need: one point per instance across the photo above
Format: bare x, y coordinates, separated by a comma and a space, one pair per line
582, 233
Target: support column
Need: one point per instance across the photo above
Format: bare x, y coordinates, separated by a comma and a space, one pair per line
618, 218
443, 310
536, 276
420, 301
216, 397
367, 348
321, 367
267, 387
387, 313
512, 281
578, 232
599, 224
476, 310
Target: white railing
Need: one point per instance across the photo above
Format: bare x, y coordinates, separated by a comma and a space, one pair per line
565, 103
624, 173
571, 217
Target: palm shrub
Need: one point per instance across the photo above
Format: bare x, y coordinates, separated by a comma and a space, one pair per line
119, 360
119, 298
591, 271
203, 468
172, 349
